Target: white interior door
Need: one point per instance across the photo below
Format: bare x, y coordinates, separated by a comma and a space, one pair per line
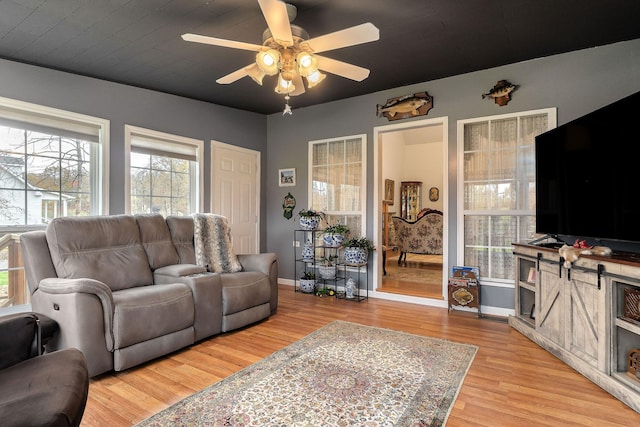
235, 193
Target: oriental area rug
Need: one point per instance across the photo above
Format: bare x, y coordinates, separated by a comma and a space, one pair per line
342, 374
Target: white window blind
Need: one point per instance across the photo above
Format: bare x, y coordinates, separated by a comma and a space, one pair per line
165, 172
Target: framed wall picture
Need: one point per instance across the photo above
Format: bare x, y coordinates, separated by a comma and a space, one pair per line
434, 194
287, 177
389, 186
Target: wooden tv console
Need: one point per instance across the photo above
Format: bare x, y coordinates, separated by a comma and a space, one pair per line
579, 314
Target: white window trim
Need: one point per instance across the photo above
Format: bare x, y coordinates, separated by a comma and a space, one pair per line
363, 194
130, 130
552, 123
100, 183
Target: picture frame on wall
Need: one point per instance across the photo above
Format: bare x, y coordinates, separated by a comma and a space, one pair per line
434, 194
287, 177
389, 188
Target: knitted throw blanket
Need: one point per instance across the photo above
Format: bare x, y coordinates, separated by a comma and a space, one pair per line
212, 241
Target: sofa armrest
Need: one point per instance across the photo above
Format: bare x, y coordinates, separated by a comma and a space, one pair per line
258, 262
266, 263
60, 286
17, 333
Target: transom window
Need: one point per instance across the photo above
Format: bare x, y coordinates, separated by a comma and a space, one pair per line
337, 180
164, 172
497, 179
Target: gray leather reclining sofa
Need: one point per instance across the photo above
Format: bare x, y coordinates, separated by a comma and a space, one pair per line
125, 289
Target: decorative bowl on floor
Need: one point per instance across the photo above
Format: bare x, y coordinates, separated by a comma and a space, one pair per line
307, 286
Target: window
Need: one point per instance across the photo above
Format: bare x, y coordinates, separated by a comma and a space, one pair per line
165, 172
53, 163
338, 181
498, 188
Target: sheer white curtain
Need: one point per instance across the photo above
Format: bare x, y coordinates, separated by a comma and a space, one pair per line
337, 181
499, 189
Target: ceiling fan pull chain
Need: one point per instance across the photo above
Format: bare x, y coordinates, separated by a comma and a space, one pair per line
287, 107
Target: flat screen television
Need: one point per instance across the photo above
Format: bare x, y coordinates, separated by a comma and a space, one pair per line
588, 178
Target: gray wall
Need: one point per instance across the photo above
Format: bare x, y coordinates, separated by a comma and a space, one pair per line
122, 104
576, 83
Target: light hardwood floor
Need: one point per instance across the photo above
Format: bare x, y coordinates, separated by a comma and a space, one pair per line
512, 381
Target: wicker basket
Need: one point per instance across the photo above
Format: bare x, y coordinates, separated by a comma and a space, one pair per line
632, 304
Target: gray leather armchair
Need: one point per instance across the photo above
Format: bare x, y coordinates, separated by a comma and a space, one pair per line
39, 389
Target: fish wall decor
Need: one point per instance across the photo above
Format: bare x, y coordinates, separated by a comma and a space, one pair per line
404, 107
501, 92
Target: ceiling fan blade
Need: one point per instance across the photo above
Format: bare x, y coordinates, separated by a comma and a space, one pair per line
235, 76
275, 13
221, 42
343, 69
298, 84
359, 34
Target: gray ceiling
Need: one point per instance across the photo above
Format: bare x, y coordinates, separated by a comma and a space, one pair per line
137, 42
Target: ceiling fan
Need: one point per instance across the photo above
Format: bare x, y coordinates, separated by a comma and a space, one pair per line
287, 51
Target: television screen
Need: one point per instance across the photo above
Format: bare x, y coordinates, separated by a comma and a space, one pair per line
588, 175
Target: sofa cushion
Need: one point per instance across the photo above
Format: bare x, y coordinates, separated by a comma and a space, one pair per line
156, 240
148, 312
104, 248
244, 290
181, 229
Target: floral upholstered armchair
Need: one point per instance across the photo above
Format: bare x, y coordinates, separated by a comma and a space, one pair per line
422, 236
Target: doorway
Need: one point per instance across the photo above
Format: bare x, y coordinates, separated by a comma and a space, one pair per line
235, 193
415, 153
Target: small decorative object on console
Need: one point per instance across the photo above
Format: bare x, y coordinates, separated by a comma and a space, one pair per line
580, 247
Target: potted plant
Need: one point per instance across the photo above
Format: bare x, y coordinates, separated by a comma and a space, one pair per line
328, 268
334, 235
356, 250
308, 282
310, 218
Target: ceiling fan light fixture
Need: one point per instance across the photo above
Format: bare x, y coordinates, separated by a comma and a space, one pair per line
267, 61
314, 78
255, 73
307, 63
284, 86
